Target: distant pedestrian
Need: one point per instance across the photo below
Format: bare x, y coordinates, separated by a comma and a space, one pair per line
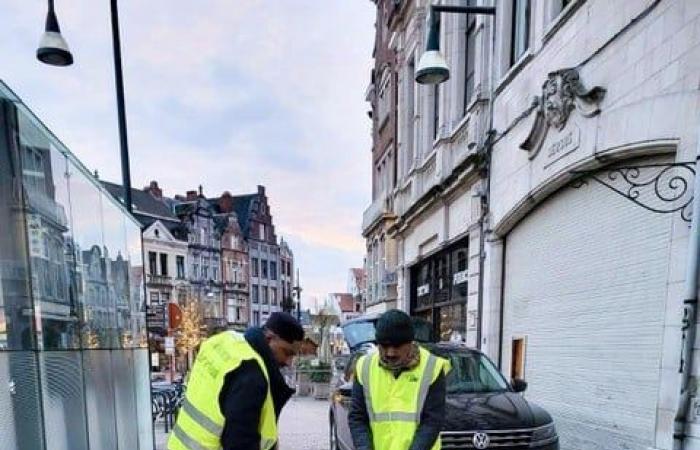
398, 397
235, 391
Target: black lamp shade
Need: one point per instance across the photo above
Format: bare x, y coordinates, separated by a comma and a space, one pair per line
53, 49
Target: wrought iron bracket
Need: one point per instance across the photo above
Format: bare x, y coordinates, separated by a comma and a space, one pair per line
660, 188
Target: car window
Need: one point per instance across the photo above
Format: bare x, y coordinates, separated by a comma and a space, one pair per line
472, 372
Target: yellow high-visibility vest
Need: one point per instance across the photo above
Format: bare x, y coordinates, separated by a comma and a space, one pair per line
200, 422
394, 405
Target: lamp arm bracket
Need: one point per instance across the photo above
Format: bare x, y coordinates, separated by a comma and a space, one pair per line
660, 188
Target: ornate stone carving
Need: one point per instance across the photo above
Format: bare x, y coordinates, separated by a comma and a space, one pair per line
561, 94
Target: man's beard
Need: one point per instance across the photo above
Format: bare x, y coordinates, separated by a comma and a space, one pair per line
409, 362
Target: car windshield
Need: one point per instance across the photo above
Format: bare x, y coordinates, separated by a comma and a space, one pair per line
362, 332
472, 372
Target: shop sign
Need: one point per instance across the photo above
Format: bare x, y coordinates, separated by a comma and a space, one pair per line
155, 316
424, 289
169, 345
460, 277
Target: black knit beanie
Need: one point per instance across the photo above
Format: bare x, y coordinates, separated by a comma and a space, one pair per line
394, 327
285, 326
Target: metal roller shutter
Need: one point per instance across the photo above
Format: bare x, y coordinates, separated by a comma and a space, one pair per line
585, 285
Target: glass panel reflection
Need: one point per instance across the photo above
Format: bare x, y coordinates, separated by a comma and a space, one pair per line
91, 270
137, 301
117, 272
44, 179
16, 329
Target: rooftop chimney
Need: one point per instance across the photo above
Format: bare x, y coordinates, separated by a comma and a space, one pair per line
226, 202
191, 195
154, 189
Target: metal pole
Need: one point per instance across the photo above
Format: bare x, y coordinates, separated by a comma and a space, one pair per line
119, 84
690, 300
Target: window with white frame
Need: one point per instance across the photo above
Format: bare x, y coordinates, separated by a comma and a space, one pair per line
180, 264
231, 310
520, 30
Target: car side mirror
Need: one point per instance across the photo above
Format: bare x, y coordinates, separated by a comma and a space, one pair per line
519, 385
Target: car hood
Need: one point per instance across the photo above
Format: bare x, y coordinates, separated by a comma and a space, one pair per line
492, 411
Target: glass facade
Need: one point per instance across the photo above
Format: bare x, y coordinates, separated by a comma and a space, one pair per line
439, 291
73, 349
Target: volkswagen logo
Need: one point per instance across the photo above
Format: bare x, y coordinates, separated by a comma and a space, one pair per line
481, 441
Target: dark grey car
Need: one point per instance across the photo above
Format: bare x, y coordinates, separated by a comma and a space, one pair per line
483, 410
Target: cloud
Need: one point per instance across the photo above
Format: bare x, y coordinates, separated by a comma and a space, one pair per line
224, 94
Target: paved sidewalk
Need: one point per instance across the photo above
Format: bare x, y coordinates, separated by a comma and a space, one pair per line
303, 426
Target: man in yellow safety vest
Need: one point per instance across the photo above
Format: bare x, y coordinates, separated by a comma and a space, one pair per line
398, 398
235, 390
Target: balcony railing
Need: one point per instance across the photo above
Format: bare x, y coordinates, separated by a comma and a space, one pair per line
162, 280
379, 209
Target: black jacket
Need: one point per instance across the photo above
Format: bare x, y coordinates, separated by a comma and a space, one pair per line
243, 394
429, 428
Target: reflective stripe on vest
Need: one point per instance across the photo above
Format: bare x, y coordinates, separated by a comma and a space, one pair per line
190, 443
398, 416
201, 419
395, 404
200, 422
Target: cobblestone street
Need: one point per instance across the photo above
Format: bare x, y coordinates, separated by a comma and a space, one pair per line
303, 426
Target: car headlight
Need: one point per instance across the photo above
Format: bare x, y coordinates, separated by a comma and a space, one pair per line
544, 433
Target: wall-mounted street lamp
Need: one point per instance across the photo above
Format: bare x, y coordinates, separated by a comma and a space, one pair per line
432, 67
53, 50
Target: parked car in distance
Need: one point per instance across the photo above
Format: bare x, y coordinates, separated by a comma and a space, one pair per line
483, 410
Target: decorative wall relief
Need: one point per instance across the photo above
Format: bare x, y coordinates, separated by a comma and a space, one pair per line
561, 94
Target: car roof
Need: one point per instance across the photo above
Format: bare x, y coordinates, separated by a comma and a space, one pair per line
438, 348
365, 318
441, 348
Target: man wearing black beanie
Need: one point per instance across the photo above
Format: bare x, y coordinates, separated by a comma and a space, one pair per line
235, 391
398, 397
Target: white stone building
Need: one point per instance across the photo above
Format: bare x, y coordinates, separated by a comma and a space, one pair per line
430, 242
166, 265
584, 284
580, 289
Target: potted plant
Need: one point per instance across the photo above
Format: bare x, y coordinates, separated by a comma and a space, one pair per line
320, 377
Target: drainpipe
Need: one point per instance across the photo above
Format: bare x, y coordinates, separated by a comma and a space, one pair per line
690, 300
485, 196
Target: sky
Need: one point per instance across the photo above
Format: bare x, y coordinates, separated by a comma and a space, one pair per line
228, 94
